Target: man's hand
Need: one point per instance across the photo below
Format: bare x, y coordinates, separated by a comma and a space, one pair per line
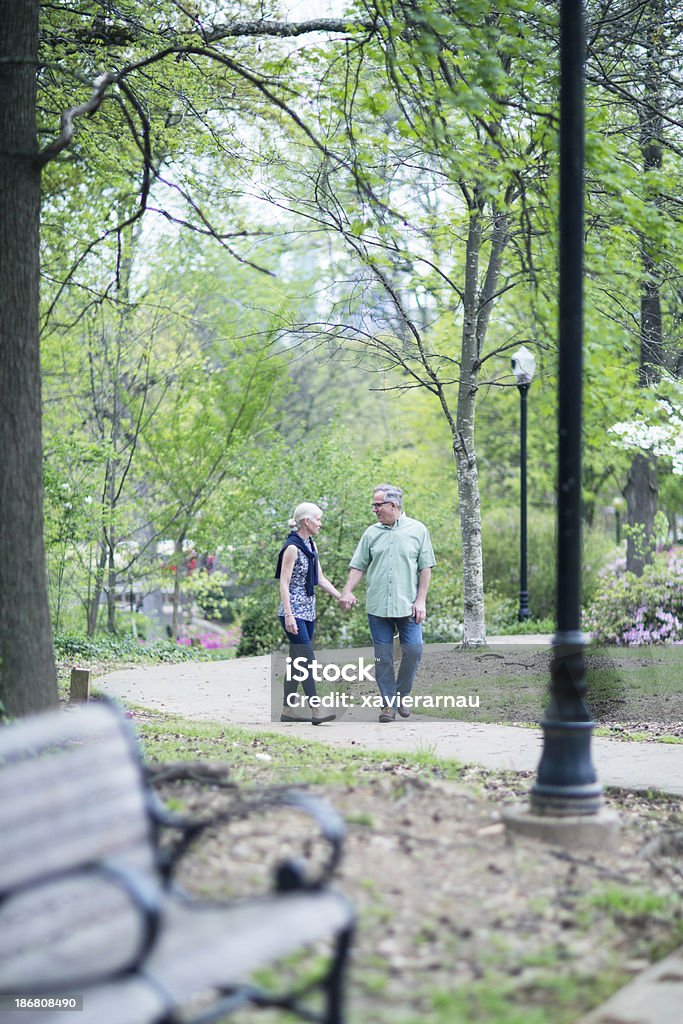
419, 611
347, 600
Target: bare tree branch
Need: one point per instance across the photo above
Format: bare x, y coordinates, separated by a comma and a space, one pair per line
99, 91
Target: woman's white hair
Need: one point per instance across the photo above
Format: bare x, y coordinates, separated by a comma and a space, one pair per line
306, 510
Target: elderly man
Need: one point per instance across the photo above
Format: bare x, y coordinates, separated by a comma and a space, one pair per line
396, 555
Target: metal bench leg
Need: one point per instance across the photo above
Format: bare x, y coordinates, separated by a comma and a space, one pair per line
335, 984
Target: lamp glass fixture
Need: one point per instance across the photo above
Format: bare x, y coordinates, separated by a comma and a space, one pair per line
523, 365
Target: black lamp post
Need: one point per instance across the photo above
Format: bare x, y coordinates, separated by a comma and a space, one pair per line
523, 367
566, 782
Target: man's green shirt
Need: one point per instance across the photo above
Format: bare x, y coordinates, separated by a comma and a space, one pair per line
392, 558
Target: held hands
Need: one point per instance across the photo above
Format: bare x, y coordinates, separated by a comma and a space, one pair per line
346, 600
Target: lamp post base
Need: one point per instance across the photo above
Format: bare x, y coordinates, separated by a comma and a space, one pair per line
597, 832
566, 782
523, 613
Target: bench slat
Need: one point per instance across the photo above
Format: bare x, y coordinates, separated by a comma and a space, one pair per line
32, 849
47, 729
79, 927
207, 947
128, 1001
61, 806
203, 946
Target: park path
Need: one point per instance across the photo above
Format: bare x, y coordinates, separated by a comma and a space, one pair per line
238, 692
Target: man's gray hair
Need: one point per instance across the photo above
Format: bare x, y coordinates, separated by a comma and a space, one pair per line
390, 493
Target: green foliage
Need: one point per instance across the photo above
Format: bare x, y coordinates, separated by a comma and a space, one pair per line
502, 555
110, 648
445, 601
72, 519
208, 589
647, 609
670, 499
161, 392
252, 509
261, 629
452, 113
643, 543
510, 626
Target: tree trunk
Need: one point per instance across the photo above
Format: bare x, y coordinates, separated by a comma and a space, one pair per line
27, 673
641, 496
477, 305
176, 616
94, 604
474, 627
641, 489
112, 579
110, 533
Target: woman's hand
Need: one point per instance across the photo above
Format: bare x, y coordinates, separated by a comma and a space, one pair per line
290, 623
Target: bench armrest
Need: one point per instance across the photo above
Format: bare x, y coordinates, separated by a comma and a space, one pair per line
290, 874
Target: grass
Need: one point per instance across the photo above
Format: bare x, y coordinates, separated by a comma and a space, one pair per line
625, 903
266, 757
496, 1000
621, 683
633, 912
511, 683
638, 737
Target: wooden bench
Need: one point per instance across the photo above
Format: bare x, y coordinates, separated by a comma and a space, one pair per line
88, 902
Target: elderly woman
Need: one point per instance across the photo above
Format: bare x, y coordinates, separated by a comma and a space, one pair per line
299, 571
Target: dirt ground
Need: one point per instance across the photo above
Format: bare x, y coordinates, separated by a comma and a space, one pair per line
456, 921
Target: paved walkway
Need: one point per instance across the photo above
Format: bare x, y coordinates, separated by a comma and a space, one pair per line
239, 693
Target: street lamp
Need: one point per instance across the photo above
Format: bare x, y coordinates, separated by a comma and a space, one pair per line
523, 367
566, 798
566, 782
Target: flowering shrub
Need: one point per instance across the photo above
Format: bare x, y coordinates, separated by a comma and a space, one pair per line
213, 641
645, 609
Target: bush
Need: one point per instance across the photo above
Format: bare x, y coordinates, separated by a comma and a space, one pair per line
500, 538
261, 629
527, 627
645, 609
262, 632
112, 647
445, 599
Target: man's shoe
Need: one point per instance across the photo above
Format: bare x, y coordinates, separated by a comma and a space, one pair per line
403, 712
289, 716
321, 719
387, 715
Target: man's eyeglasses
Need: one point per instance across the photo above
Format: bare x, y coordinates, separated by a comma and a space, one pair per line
378, 504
